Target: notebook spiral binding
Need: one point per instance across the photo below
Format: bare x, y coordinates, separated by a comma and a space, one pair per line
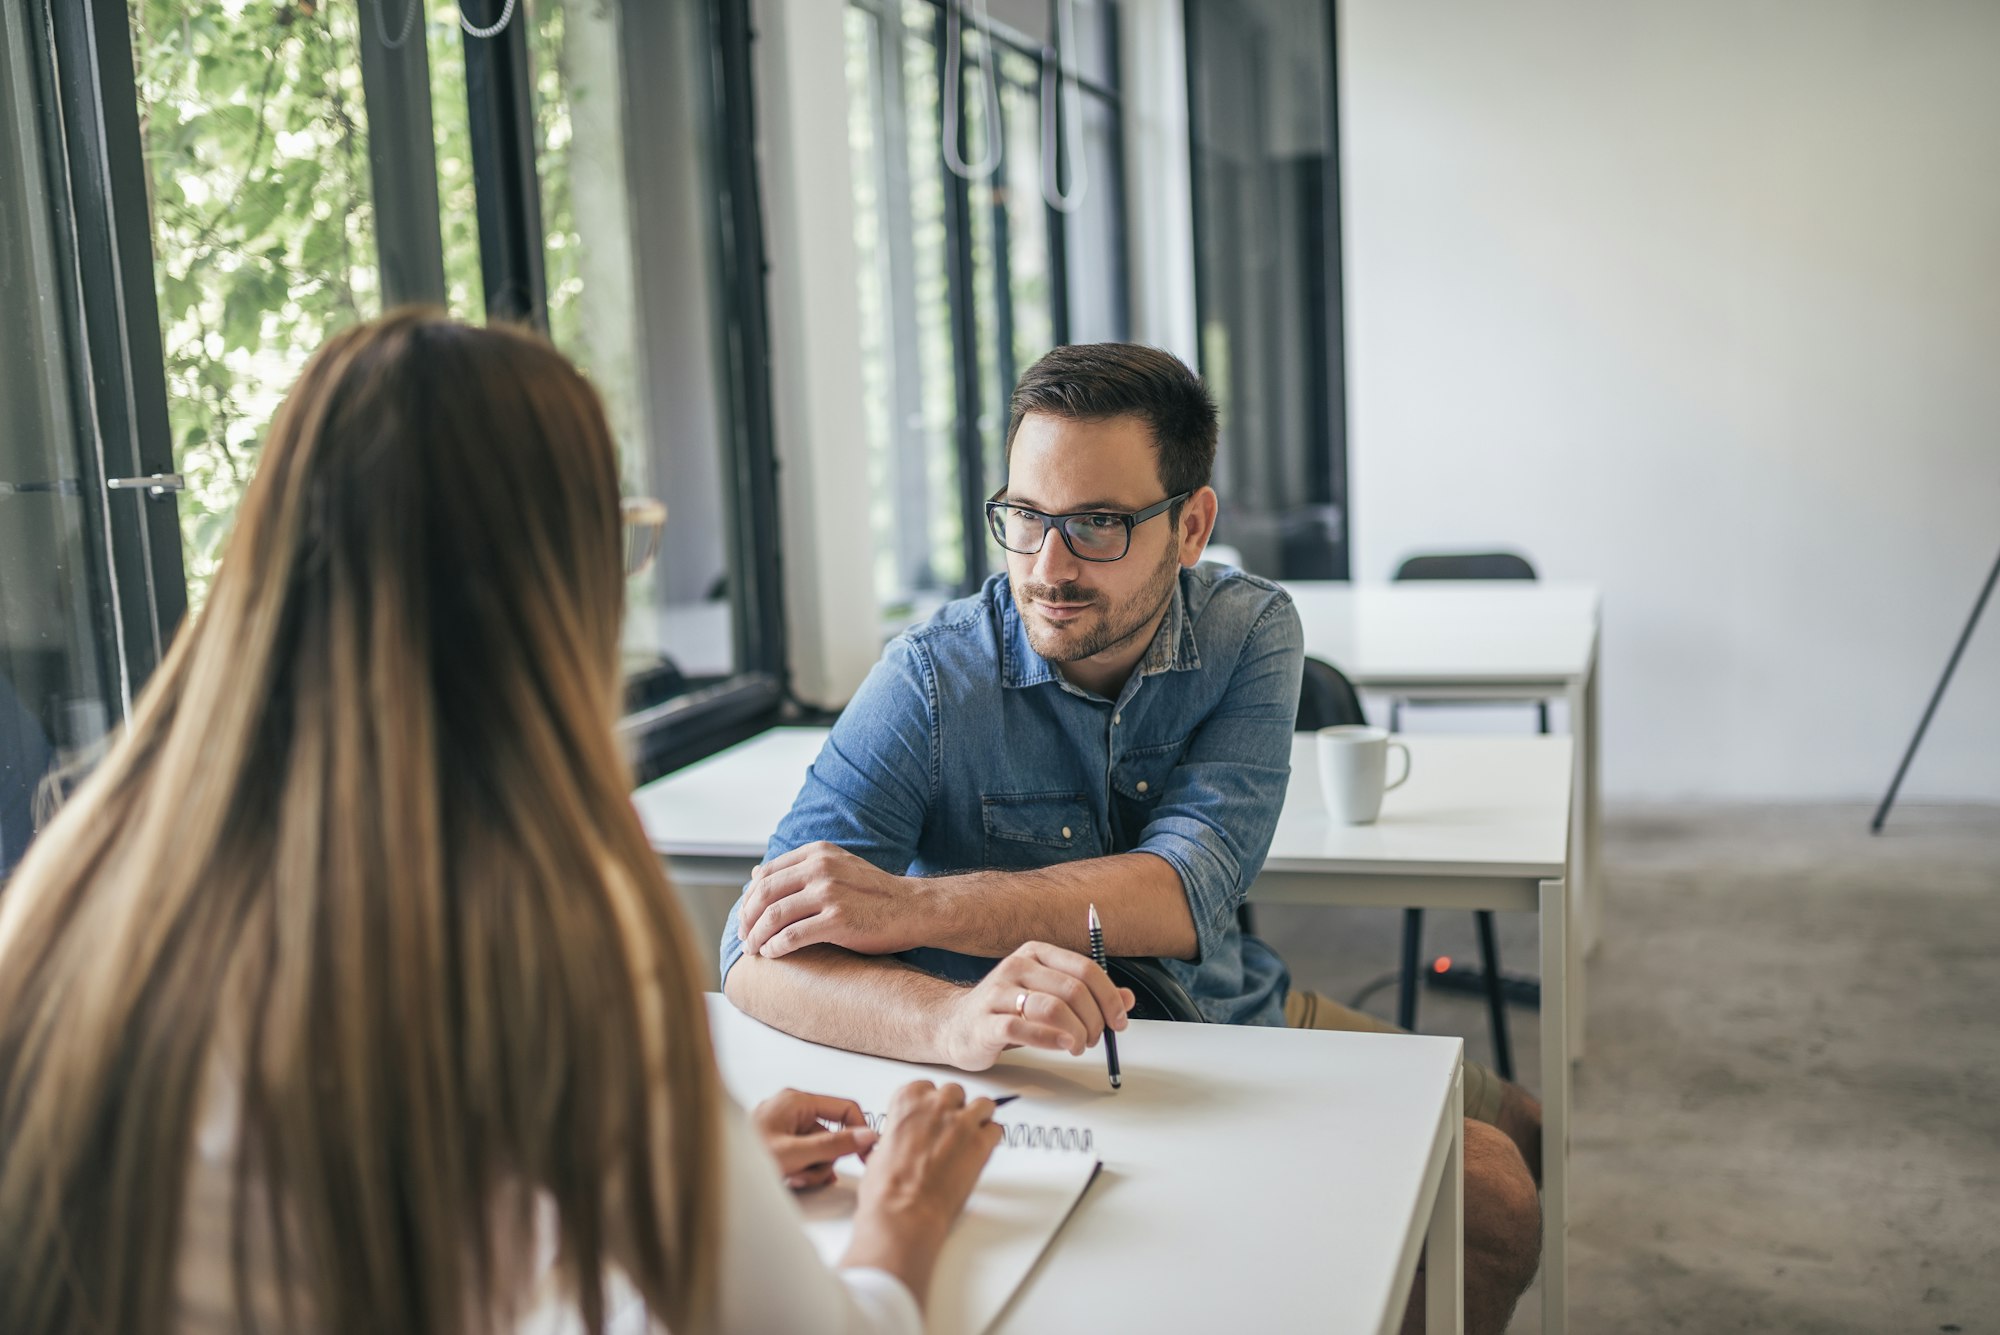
1020, 1135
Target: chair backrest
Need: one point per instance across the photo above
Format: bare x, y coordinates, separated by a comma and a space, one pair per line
1157, 994
1467, 565
1327, 698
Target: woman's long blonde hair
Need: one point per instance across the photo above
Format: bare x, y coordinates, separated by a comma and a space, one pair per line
369, 832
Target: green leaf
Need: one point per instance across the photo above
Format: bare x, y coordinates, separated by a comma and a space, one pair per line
243, 311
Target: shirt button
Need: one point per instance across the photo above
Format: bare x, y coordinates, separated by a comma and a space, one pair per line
1142, 785
1117, 719
1065, 831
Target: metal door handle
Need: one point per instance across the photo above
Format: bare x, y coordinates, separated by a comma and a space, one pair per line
155, 484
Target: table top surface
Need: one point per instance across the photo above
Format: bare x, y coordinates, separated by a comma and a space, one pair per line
1263, 1179
1450, 632
1474, 806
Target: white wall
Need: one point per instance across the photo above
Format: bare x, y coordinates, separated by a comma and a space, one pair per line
1700, 301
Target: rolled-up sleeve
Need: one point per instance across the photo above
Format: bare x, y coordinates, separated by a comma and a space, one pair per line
872, 784
1214, 822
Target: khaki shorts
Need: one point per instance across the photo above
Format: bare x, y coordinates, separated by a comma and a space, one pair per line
1310, 1010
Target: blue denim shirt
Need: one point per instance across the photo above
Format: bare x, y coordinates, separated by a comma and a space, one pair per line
966, 750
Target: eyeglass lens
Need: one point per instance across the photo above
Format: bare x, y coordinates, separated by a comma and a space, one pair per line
1092, 537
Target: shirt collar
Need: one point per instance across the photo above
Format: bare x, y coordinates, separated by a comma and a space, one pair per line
1172, 650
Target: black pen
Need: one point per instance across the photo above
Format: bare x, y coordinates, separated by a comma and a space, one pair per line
1097, 953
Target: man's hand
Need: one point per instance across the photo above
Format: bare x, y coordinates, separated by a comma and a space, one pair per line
793, 1127
823, 893
1041, 996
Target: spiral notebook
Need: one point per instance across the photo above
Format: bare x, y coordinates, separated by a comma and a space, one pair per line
1031, 1186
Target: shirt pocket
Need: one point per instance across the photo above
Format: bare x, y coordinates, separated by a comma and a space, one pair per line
1137, 781
1025, 830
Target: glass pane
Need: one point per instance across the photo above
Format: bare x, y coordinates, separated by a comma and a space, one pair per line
906, 358
1265, 196
263, 229
1095, 250
931, 304
900, 551
609, 153
451, 132
1027, 220
53, 684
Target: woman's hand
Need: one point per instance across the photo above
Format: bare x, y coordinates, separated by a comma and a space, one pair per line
793, 1127
918, 1179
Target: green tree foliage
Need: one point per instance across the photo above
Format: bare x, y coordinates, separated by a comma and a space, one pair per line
263, 230
256, 135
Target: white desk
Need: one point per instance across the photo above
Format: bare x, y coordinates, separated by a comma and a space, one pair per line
1482, 823
1254, 1179
1478, 640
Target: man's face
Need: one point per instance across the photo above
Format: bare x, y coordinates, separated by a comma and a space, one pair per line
1075, 609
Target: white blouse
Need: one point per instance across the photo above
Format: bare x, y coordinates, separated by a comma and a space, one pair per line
771, 1278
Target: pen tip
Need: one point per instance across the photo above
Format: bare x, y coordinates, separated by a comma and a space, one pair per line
1093, 915
1116, 1082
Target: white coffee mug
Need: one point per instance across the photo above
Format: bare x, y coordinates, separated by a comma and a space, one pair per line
1353, 771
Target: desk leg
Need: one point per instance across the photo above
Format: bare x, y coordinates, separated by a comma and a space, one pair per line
1556, 1000
1583, 883
1444, 1244
1585, 815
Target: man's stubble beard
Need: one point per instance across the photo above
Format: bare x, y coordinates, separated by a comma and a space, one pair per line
1116, 627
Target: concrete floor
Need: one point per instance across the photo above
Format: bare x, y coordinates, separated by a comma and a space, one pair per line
1789, 1116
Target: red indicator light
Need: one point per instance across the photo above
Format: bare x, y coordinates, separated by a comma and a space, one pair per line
1443, 964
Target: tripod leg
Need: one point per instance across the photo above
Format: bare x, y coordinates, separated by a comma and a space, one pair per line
1889, 798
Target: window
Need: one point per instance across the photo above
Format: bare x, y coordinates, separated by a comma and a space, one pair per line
309, 164
1267, 277
973, 263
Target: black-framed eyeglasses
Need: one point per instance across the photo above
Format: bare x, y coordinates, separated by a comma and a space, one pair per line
1090, 535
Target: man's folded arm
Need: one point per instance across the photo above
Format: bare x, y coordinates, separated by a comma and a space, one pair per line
863, 1003
870, 787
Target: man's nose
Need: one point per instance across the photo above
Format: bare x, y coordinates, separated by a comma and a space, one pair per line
1055, 563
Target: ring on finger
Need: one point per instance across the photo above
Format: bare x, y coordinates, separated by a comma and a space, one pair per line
1021, 1005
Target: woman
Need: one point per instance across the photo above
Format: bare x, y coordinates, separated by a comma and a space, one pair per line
347, 994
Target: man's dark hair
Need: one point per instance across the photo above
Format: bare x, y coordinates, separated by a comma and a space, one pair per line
1093, 381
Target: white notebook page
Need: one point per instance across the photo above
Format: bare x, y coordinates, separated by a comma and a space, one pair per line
1019, 1206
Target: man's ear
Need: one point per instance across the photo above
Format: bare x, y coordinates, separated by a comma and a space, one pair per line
1197, 524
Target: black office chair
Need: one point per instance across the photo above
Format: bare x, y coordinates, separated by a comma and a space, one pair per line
1157, 994
1327, 699
1462, 565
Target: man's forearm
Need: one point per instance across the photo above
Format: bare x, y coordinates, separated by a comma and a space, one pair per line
862, 1003
1139, 897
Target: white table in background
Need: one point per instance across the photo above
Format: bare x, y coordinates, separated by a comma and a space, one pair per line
1482, 823
1479, 640
1265, 1179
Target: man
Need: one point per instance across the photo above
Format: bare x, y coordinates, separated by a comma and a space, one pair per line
1108, 722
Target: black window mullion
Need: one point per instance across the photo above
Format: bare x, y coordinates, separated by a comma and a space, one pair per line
753, 475
1058, 221
499, 93
402, 157
115, 315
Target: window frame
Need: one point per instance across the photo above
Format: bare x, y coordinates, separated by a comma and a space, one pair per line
97, 168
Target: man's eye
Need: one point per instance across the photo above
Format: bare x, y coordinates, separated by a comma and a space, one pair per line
1023, 517
1103, 523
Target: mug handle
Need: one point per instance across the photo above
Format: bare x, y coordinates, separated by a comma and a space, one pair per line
1405, 776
